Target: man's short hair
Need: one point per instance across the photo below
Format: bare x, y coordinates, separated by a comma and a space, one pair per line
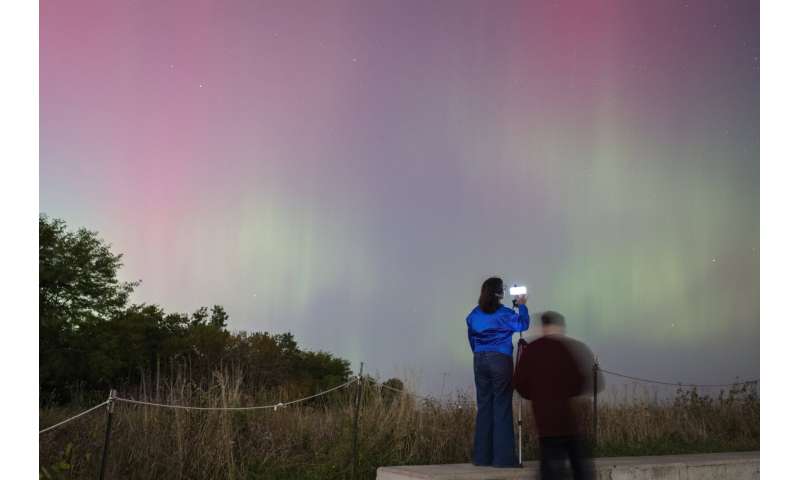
552, 318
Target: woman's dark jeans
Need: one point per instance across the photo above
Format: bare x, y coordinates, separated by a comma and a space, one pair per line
494, 426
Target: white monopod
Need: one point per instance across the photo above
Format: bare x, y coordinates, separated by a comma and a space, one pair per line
515, 291
519, 402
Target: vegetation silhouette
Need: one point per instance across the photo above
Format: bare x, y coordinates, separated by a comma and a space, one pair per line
92, 339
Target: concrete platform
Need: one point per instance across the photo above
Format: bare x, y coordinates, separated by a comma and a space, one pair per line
713, 466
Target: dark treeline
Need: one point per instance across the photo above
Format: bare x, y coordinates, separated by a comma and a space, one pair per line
92, 339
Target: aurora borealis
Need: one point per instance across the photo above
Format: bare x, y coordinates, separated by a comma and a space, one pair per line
352, 171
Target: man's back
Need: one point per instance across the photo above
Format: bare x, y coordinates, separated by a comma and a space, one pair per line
550, 372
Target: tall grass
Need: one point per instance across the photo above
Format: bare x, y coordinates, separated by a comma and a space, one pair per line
314, 440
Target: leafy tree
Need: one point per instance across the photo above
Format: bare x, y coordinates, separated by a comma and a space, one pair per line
199, 317
90, 337
390, 390
394, 384
77, 276
78, 287
219, 318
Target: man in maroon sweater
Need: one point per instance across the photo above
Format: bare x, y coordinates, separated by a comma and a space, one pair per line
550, 372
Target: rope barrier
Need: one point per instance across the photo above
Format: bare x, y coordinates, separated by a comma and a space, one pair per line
72, 418
347, 383
387, 387
275, 406
645, 380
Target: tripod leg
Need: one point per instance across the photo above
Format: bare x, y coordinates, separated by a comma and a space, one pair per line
519, 405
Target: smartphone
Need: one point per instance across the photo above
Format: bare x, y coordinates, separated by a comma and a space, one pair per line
517, 291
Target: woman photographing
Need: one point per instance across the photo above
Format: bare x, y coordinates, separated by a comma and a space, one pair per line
490, 326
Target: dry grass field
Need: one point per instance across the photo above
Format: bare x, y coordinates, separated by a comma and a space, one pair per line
314, 440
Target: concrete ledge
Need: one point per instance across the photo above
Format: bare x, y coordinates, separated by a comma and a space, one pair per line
713, 466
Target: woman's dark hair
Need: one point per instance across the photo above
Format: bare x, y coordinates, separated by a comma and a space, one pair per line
491, 292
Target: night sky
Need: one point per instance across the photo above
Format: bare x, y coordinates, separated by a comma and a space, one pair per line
352, 171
